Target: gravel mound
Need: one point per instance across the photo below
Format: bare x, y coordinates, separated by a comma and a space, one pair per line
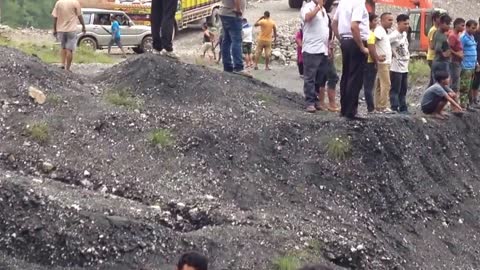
186, 158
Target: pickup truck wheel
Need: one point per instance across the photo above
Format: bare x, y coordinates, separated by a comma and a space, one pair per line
295, 3
146, 46
88, 42
214, 19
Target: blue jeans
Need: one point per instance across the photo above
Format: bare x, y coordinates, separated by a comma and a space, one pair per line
398, 92
369, 77
232, 44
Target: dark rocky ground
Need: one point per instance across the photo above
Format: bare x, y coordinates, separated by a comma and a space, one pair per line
244, 176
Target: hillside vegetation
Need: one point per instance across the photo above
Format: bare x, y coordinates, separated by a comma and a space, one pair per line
26, 13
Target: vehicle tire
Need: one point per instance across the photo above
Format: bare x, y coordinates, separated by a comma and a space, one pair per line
88, 42
138, 50
214, 19
146, 46
295, 3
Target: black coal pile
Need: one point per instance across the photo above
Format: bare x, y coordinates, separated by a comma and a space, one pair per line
154, 158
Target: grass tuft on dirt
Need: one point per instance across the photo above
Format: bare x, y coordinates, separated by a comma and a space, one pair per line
50, 53
339, 148
418, 71
38, 132
161, 137
286, 263
123, 98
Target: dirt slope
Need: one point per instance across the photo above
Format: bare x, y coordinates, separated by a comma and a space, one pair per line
244, 176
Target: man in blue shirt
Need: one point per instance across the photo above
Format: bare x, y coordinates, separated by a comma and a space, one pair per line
469, 64
116, 35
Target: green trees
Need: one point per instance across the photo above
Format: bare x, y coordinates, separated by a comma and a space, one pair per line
26, 13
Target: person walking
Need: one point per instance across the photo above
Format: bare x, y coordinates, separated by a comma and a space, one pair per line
268, 29
351, 27
384, 50
443, 53
116, 35
208, 40
370, 73
315, 51
247, 42
469, 64
162, 21
231, 14
431, 46
66, 15
399, 68
457, 53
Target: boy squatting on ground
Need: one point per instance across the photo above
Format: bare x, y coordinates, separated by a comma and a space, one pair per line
438, 95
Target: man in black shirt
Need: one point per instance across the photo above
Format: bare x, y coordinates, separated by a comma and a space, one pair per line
476, 81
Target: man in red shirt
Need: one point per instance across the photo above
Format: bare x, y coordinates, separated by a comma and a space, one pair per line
457, 53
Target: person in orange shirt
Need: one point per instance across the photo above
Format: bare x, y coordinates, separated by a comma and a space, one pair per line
268, 30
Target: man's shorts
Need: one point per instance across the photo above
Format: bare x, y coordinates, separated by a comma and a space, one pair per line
430, 108
247, 48
264, 45
207, 46
476, 81
68, 40
116, 41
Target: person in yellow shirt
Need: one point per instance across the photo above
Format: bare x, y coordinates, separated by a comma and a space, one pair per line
431, 35
268, 30
370, 73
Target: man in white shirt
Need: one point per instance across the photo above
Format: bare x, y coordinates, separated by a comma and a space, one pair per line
384, 51
351, 27
315, 51
399, 68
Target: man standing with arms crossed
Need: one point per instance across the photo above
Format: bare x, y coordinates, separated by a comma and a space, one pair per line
66, 15
162, 19
231, 14
350, 25
315, 51
268, 29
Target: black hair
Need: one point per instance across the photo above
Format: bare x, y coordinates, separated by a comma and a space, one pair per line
458, 21
471, 23
436, 14
328, 5
205, 25
266, 14
193, 259
316, 267
445, 19
402, 18
372, 17
385, 14
441, 75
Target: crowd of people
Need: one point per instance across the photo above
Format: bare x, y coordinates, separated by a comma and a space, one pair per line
375, 58
375, 53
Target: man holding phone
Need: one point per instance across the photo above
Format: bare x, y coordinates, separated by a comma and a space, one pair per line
315, 51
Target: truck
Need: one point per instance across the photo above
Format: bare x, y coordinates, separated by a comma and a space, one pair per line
188, 11
420, 13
